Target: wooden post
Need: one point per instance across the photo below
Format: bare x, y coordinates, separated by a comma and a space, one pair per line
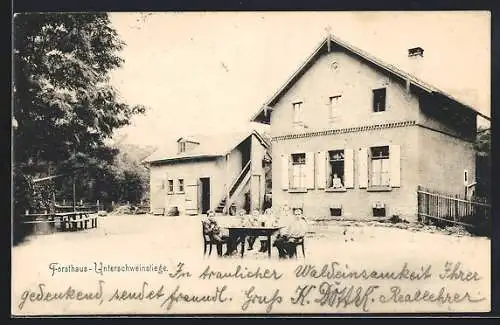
81, 202
98, 207
74, 193
64, 202
227, 184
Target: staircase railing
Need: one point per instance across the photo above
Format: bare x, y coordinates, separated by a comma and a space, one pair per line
235, 185
239, 179
238, 189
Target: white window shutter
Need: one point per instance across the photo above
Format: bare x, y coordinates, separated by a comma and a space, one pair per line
320, 169
310, 170
191, 195
284, 172
395, 163
349, 168
363, 167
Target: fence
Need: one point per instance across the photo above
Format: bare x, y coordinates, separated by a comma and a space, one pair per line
452, 209
80, 205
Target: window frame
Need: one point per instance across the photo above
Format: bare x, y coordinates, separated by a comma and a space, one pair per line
297, 110
330, 188
170, 186
180, 185
301, 171
387, 159
333, 105
375, 108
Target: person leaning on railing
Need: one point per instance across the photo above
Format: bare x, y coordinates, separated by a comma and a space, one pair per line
294, 229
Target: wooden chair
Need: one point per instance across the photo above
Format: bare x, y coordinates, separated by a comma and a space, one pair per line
300, 242
208, 241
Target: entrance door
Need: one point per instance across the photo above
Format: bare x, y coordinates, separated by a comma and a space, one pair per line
205, 194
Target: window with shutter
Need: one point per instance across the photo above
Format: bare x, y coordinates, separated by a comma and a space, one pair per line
336, 175
380, 167
299, 172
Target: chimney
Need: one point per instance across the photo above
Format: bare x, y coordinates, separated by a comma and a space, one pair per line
416, 52
415, 57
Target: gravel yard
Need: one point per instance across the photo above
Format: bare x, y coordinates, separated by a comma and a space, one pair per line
171, 240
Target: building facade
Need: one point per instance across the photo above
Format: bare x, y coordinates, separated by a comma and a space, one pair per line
354, 137
209, 172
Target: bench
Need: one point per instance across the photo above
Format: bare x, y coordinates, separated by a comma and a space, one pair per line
74, 220
79, 220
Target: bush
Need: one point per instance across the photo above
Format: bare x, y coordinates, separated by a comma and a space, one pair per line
23, 190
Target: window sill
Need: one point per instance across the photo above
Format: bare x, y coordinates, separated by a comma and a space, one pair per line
335, 190
297, 190
170, 193
379, 189
180, 192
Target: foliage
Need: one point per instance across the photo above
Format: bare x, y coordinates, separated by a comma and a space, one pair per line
63, 102
483, 163
64, 105
483, 142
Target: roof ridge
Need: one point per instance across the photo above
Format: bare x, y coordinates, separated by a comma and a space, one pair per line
391, 68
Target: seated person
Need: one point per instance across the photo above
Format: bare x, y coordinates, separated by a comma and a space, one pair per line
253, 222
294, 230
270, 220
213, 230
336, 181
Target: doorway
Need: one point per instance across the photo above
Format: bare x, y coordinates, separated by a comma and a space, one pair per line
205, 194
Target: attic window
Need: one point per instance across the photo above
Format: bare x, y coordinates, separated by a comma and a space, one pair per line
379, 99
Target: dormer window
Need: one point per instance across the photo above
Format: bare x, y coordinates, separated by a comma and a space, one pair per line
182, 146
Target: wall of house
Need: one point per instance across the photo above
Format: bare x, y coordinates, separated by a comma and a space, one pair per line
258, 184
442, 162
354, 80
221, 175
234, 168
356, 202
190, 171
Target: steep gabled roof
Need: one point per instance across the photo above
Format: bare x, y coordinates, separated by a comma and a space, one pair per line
210, 146
263, 117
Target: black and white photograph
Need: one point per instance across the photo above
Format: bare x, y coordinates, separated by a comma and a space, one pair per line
251, 163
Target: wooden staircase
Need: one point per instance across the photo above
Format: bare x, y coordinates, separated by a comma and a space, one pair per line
235, 188
220, 207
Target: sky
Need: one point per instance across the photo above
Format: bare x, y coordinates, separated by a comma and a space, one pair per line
209, 72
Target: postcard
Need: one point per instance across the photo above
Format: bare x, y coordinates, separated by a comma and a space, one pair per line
251, 163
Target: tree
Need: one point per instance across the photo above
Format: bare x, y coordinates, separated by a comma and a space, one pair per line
63, 102
483, 162
64, 106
